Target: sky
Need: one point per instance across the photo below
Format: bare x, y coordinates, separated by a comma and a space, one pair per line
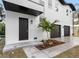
75, 2
1, 2
72, 1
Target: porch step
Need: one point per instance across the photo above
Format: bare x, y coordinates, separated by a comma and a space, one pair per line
20, 45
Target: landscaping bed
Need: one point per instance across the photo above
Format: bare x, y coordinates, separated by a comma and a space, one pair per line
48, 44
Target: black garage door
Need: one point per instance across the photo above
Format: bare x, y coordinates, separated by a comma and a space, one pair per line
66, 30
56, 32
23, 29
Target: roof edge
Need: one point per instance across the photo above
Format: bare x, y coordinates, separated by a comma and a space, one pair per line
70, 4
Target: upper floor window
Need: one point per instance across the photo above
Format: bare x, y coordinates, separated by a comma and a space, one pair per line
67, 10
41, 2
50, 3
57, 6
70, 11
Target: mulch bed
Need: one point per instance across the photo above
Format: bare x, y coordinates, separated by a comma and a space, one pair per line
48, 44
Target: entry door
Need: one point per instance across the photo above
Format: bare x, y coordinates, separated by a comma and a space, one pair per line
23, 29
66, 30
56, 32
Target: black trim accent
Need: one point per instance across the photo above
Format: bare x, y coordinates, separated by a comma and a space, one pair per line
21, 9
71, 5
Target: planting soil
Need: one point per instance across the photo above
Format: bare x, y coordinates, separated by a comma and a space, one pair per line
48, 44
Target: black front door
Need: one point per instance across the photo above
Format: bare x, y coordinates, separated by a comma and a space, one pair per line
23, 29
56, 32
66, 30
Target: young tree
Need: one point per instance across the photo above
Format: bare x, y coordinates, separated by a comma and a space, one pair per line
47, 26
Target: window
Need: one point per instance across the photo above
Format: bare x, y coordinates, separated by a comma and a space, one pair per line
50, 3
67, 10
70, 11
41, 2
67, 14
56, 6
35, 1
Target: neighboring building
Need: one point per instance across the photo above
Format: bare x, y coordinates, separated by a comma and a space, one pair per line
23, 17
76, 23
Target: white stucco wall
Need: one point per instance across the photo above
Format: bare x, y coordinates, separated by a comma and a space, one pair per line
12, 27
61, 15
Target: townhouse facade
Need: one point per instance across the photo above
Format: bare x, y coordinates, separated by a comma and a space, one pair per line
23, 16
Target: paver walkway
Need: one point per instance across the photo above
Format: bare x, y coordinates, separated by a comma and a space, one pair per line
71, 53
33, 52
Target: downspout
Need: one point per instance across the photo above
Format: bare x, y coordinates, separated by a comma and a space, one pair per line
73, 23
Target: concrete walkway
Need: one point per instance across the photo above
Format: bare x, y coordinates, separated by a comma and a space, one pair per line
33, 52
